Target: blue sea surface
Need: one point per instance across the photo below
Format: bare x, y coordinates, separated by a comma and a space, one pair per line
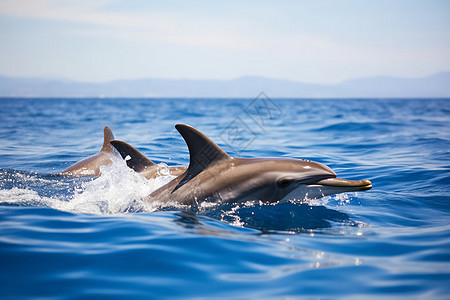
94, 237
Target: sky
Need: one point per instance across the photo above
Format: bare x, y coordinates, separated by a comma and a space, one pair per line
316, 41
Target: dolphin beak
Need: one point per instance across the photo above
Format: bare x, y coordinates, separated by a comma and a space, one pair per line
348, 185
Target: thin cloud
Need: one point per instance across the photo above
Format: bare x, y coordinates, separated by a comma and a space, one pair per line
208, 43
149, 27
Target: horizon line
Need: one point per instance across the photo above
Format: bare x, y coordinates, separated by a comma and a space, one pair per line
65, 79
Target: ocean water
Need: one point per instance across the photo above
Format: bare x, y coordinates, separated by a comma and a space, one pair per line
94, 237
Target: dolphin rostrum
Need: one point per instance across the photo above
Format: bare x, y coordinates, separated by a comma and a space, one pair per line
141, 164
215, 176
91, 166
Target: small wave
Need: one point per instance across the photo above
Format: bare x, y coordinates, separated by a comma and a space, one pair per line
117, 190
25, 197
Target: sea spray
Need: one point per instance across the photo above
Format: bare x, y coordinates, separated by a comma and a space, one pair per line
119, 189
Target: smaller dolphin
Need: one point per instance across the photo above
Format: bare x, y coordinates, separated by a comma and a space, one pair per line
141, 164
215, 176
91, 166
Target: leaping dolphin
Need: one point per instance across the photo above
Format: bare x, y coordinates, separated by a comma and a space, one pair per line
141, 164
91, 166
215, 176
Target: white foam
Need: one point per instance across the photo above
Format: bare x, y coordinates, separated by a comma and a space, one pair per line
18, 196
118, 189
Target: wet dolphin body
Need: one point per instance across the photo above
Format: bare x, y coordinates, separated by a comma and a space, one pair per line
215, 176
141, 164
91, 166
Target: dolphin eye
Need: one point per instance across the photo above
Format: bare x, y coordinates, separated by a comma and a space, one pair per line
282, 183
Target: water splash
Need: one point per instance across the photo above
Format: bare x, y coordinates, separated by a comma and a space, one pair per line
23, 196
118, 189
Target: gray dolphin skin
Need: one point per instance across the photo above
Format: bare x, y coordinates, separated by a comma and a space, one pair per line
141, 164
215, 176
91, 166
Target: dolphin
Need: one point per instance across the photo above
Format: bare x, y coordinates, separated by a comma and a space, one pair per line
215, 176
91, 166
141, 164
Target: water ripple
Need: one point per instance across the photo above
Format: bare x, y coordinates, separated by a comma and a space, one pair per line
95, 237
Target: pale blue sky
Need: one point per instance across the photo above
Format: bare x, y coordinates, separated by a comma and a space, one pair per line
310, 41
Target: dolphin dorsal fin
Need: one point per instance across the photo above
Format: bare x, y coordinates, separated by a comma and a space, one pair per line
137, 160
107, 137
203, 152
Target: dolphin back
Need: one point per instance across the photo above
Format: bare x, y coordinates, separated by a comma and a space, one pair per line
134, 159
91, 165
107, 137
203, 152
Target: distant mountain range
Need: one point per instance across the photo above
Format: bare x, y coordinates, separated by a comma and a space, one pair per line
434, 86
